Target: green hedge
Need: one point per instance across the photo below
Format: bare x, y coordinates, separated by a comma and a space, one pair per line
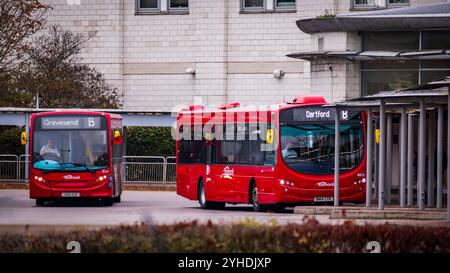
247, 236
10, 140
156, 141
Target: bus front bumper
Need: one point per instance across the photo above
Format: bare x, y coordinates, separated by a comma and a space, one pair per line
304, 195
59, 190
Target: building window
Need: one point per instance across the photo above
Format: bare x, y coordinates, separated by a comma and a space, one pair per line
248, 6
253, 5
179, 4
377, 4
285, 4
162, 6
148, 5
397, 2
383, 75
363, 3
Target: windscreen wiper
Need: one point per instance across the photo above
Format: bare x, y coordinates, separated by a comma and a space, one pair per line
85, 166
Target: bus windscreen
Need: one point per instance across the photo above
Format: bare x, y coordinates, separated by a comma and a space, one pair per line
307, 145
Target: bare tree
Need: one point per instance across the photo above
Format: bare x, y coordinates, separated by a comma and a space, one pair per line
19, 20
54, 71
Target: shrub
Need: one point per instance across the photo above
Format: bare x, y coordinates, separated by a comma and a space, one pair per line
156, 141
310, 236
10, 140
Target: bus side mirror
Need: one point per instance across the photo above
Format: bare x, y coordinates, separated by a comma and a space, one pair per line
24, 138
269, 136
117, 138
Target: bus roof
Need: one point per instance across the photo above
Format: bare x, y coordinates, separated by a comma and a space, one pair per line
76, 112
252, 114
235, 106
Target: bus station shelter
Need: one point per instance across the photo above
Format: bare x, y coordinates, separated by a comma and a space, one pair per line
423, 116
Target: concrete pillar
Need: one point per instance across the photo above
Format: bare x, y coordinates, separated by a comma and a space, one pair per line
430, 167
410, 171
403, 144
382, 162
337, 124
421, 157
440, 155
448, 156
389, 161
124, 153
369, 145
27, 149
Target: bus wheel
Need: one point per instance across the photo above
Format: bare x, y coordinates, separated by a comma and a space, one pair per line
255, 201
202, 199
117, 199
40, 202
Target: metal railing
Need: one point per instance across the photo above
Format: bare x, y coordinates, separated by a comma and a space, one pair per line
23, 176
137, 169
9, 167
171, 169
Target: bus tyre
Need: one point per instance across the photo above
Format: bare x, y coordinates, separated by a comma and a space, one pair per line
40, 202
202, 199
255, 200
117, 199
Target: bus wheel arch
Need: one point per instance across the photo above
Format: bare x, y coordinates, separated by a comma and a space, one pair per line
201, 196
199, 184
251, 184
253, 195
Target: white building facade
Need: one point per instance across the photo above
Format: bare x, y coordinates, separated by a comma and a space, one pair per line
164, 53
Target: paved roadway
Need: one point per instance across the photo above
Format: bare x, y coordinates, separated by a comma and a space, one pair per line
17, 212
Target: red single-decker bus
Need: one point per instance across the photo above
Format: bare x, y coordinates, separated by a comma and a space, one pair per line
281, 156
76, 155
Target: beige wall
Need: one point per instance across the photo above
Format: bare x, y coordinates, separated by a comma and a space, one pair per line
233, 54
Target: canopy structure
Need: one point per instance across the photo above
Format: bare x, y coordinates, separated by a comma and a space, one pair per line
434, 16
147, 118
373, 55
427, 103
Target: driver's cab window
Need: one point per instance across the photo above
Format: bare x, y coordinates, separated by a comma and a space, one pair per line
50, 146
76, 147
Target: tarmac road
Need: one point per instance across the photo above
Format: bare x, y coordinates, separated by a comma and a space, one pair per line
18, 213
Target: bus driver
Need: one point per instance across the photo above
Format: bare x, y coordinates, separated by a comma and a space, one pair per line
50, 150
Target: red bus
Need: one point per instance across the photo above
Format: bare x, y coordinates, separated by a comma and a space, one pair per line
277, 157
76, 155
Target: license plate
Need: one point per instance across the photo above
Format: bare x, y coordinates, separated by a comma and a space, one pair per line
70, 194
323, 199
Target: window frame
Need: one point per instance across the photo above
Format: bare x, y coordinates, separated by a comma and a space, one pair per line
264, 8
159, 10
176, 10
355, 6
397, 4
148, 10
253, 9
281, 8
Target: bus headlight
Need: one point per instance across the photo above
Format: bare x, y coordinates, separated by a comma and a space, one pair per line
286, 183
39, 178
101, 178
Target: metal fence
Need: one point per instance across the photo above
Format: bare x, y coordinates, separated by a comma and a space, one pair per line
9, 167
145, 169
137, 169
